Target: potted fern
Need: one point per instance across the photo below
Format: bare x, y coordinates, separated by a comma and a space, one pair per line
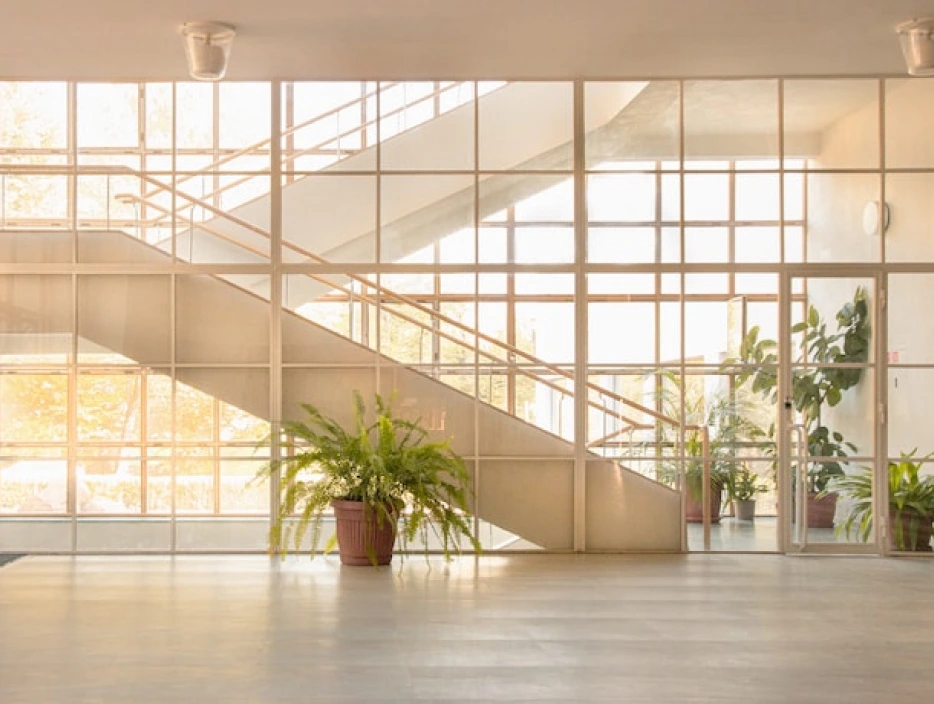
911, 503
386, 481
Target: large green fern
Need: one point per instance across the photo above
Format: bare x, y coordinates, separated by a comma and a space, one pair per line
383, 460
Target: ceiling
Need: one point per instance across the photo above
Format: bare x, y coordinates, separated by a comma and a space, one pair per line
458, 39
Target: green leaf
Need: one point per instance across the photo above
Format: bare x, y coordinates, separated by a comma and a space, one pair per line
386, 461
834, 396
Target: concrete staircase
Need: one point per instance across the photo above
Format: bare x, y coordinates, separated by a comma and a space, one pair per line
219, 321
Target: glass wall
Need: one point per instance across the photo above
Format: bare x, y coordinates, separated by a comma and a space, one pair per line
562, 277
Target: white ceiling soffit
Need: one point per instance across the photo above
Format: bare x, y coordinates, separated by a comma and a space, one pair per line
458, 39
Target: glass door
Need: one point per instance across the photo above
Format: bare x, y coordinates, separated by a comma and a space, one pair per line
828, 432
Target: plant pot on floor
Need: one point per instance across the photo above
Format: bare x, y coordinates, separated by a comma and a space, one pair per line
364, 537
910, 531
745, 510
694, 510
821, 510
381, 461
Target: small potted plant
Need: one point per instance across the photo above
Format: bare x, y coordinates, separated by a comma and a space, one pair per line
385, 480
743, 488
724, 425
911, 503
694, 506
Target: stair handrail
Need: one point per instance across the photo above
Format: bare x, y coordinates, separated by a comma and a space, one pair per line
209, 170
256, 146
361, 296
382, 290
389, 293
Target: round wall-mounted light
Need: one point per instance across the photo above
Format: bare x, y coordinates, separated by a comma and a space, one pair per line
207, 47
876, 217
917, 45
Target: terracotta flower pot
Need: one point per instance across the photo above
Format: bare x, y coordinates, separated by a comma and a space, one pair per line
362, 538
694, 510
821, 510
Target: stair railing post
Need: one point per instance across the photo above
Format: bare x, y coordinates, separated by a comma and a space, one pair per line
706, 489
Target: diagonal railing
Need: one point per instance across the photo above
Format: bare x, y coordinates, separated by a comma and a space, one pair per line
515, 358
511, 351
510, 356
356, 133
169, 217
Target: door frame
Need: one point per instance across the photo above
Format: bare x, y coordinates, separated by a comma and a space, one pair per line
787, 543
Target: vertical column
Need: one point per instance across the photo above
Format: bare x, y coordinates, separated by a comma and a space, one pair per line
580, 322
784, 475
173, 322
476, 311
72, 482
880, 491
682, 409
782, 487
275, 286
378, 308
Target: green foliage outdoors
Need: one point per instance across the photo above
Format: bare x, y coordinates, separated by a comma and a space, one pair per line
383, 460
910, 496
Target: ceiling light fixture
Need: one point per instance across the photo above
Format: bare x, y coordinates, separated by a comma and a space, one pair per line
207, 47
917, 45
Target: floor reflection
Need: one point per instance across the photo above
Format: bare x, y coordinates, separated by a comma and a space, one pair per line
760, 535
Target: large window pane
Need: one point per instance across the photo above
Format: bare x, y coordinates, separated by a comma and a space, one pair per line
908, 139
108, 115
631, 122
443, 112
832, 124
33, 485
835, 207
34, 407
729, 120
33, 115
527, 126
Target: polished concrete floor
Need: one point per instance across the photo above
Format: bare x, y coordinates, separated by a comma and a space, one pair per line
760, 535
718, 628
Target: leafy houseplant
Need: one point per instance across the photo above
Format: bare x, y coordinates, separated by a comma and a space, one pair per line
725, 420
821, 383
743, 489
694, 479
393, 482
911, 503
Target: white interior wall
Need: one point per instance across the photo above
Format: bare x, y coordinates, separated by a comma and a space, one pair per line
836, 234
835, 205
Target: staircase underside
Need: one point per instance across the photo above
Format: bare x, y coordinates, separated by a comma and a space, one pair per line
218, 323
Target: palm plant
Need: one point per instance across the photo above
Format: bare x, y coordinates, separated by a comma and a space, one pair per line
911, 503
385, 462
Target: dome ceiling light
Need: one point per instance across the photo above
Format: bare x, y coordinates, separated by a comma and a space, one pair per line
917, 45
207, 47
